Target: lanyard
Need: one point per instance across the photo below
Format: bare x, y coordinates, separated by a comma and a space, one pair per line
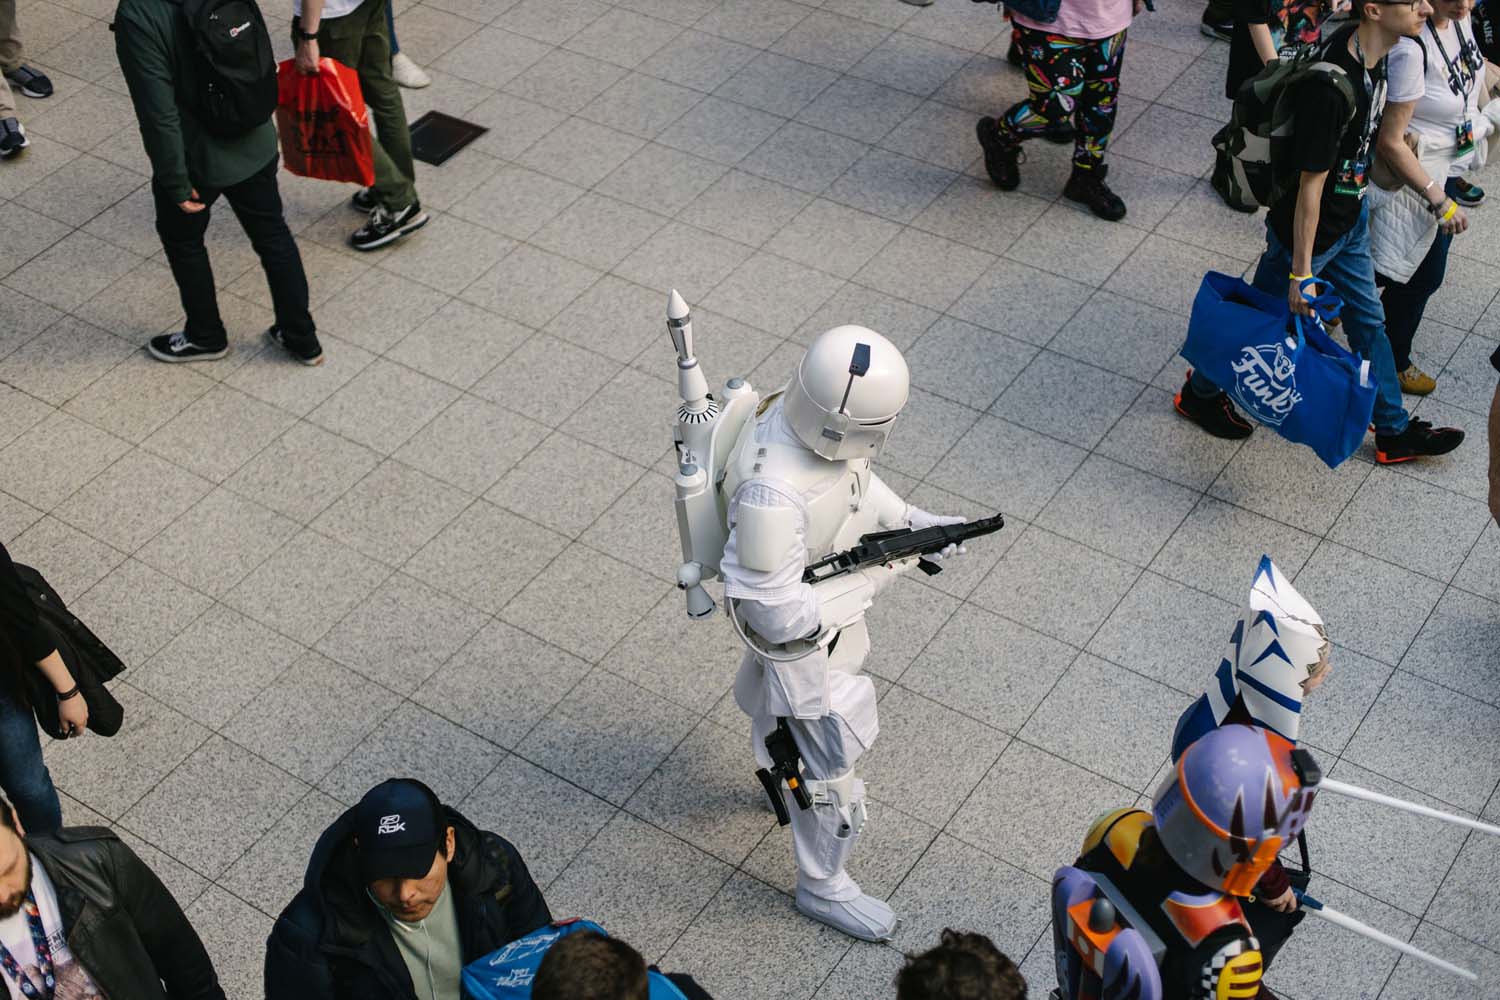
1376, 95
43, 956
1462, 72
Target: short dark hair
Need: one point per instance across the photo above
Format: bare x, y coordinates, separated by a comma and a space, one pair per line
964, 966
586, 965
6, 820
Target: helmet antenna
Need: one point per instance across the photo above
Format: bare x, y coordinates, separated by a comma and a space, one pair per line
859, 366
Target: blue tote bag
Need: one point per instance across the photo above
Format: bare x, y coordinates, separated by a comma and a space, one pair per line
506, 974
1282, 370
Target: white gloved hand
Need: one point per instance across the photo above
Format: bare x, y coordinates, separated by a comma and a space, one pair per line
919, 519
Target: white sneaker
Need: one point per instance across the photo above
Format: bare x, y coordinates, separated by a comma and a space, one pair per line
408, 73
863, 917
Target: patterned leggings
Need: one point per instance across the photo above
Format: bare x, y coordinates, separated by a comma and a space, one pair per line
1075, 78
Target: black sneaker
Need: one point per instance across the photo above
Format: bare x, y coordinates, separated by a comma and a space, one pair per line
1002, 155
29, 82
1215, 414
1222, 30
1419, 440
12, 138
1466, 194
176, 347
387, 227
363, 201
308, 351
1087, 187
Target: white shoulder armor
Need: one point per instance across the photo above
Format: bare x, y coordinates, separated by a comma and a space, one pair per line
764, 535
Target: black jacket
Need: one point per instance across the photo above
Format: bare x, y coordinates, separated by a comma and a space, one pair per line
331, 944
122, 924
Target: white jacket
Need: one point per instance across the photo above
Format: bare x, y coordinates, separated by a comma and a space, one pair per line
1401, 227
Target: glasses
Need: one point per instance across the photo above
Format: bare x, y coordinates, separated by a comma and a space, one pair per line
1412, 5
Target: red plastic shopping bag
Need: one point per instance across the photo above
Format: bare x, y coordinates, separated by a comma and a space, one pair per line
324, 128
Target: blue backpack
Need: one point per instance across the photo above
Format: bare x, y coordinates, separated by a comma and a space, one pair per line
507, 974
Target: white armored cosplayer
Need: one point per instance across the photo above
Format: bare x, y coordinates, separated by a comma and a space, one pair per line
766, 487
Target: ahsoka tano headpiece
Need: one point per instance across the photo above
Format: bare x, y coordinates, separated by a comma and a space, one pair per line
1275, 645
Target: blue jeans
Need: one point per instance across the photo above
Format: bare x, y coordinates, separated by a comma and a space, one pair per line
390, 25
1346, 265
23, 773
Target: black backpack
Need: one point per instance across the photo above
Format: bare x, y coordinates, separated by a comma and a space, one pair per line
236, 67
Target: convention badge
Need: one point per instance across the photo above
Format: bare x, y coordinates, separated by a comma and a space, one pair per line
1351, 178
1464, 133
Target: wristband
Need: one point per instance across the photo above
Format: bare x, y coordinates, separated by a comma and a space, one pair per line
1452, 211
1299, 277
72, 692
306, 36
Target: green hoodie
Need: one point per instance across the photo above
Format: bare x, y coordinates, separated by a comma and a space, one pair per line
155, 46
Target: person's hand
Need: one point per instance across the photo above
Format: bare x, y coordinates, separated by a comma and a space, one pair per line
307, 57
1294, 298
1284, 903
1457, 224
192, 205
919, 519
73, 715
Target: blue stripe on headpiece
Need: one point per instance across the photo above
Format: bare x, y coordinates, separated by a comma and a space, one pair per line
1268, 618
1264, 570
1290, 704
1225, 674
1274, 649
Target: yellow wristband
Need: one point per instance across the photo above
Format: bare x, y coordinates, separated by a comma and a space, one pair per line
1299, 277
1452, 211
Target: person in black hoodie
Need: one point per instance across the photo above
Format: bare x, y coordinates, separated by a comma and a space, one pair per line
400, 894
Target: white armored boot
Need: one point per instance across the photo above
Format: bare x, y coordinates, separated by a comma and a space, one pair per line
823, 837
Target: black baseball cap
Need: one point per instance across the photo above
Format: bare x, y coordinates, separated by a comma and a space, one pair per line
398, 827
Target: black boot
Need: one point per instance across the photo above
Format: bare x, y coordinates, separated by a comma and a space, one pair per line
1215, 414
1002, 154
1087, 187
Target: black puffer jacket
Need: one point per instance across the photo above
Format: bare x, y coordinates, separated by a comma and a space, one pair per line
122, 924
331, 944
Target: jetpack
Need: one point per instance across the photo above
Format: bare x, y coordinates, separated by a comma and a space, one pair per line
705, 430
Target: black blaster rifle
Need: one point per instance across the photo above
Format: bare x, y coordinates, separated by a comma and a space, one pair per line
881, 547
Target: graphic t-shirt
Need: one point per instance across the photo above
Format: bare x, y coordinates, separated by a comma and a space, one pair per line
1320, 141
1444, 81
73, 983
1293, 23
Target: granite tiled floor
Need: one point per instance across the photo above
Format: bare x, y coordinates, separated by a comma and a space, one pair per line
449, 551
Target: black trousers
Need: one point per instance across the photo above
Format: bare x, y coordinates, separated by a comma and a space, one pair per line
1405, 302
256, 202
1218, 12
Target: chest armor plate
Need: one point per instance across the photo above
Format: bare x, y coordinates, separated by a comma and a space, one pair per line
833, 493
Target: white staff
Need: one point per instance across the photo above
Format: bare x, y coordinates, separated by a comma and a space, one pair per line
1317, 908
1355, 792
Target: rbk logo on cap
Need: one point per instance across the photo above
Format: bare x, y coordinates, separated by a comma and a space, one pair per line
391, 824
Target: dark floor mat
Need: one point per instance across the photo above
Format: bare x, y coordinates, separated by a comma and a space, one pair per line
435, 137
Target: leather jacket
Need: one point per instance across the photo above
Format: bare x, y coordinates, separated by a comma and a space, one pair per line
122, 924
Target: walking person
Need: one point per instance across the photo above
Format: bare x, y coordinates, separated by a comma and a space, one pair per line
1072, 73
83, 918
25, 645
357, 33
190, 168
1435, 87
15, 73
404, 70
1320, 228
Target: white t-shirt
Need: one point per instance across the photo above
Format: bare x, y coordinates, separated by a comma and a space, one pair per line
73, 983
1438, 109
331, 8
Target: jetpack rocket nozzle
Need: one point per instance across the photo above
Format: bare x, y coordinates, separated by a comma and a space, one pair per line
680, 327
